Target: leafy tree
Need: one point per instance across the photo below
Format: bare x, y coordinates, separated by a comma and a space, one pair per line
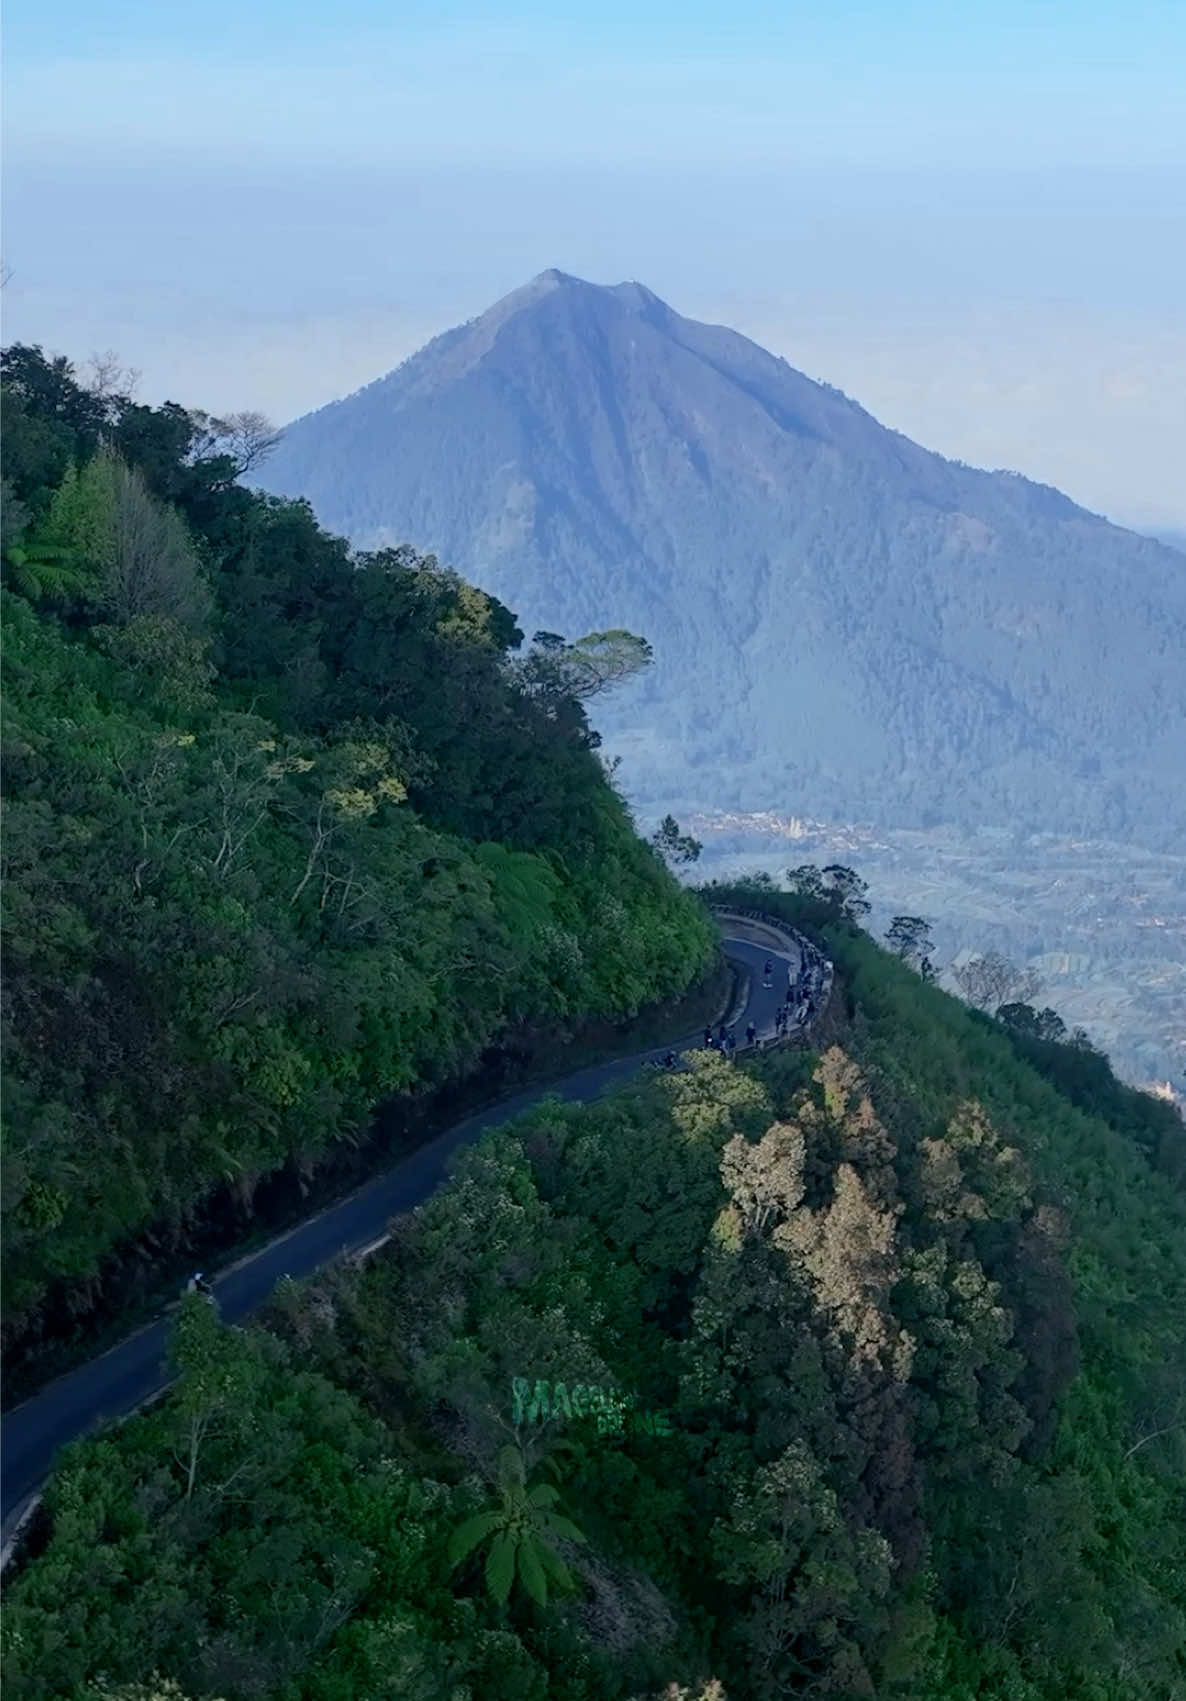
830, 894
58, 421
522, 1531
817, 1587
135, 554
909, 937
1022, 1018
807, 882
602, 659
554, 670
765, 1181
848, 891
218, 1381
674, 847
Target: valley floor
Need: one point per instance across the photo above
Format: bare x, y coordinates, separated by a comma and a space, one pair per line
1103, 924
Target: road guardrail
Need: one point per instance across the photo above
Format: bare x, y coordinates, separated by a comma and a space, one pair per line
808, 952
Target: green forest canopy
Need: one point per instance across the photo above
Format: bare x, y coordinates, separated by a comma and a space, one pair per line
917, 1318
288, 831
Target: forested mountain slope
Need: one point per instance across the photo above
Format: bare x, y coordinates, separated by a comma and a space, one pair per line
846, 625
287, 831
855, 1373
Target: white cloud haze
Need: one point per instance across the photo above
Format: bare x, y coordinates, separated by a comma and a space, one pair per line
971, 224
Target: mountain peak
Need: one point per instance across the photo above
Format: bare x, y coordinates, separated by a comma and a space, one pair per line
839, 615
556, 278
550, 296
630, 294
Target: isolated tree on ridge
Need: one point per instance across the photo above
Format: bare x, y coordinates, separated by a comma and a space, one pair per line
909, 937
838, 889
673, 846
585, 667
989, 981
1022, 1018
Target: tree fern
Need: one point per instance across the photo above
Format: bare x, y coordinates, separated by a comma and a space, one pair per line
467, 1536
500, 1565
44, 571
523, 1527
531, 1571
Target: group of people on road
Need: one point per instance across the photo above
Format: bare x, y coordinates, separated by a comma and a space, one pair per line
725, 1039
802, 992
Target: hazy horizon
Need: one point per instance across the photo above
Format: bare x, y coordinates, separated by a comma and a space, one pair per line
972, 226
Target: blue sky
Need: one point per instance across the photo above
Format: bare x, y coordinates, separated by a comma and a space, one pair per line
972, 219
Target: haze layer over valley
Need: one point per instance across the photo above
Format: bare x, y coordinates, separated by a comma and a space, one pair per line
847, 627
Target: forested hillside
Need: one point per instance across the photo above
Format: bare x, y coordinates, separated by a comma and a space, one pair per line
287, 831
856, 1373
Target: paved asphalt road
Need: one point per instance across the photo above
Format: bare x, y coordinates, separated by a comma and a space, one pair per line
121, 1379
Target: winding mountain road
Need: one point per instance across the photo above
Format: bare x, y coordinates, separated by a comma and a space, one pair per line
118, 1381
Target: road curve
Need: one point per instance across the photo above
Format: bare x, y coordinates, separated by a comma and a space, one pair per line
121, 1379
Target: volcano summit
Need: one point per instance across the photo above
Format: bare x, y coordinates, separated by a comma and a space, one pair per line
845, 624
